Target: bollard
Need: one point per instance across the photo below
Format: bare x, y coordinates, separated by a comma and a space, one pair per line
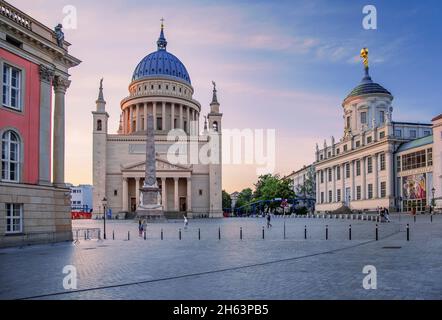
162, 234
145, 234
85, 235
305, 232
199, 233
415, 219
128, 236
377, 232
263, 233
326, 232
240, 233
113, 235
219, 233
431, 218
99, 234
349, 233
408, 232
284, 230
179, 234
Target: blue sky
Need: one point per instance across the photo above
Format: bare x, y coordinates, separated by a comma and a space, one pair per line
284, 65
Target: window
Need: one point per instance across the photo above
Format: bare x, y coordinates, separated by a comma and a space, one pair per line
369, 165
348, 122
322, 176
358, 193
383, 189
363, 117
200, 192
398, 163
347, 170
330, 174
369, 140
430, 156
338, 195
345, 148
322, 197
115, 193
413, 134
338, 151
10, 156
370, 191
14, 218
12, 87
329, 154
358, 168
427, 133
358, 144
215, 126
382, 135
321, 157
397, 133
159, 123
382, 160
99, 125
381, 116
338, 173
415, 160
330, 196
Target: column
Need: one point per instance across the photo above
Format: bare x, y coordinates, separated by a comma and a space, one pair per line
125, 121
389, 169
197, 122
352, 179
191, 123
318, 186
376, 177
60, 87
172, 118
125, 205
137, 191
164, 116
364, 178
189, 195
176, 197
131, 115
154, 112
44, 173
334, 182
326, 185
145, 118
181, 118
137, 125
188, 120
343, 183
163, 193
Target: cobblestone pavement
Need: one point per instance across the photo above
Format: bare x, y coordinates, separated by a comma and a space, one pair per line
230, 268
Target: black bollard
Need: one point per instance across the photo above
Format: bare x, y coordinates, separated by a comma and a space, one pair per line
145, 234
305, 232
408, 232
219, 233
85, 235
326, 232
180, 234
113, 235
377, 232
240, 233
162, 234
284, 230
415, 219
431, 218
199, 233
263, 233
128, 236
349, 233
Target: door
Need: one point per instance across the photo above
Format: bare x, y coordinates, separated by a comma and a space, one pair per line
133, 204
347, 196
183, 204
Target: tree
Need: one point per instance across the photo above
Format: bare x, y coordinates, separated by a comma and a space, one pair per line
244, 198
227, 201
307, 190
270, 187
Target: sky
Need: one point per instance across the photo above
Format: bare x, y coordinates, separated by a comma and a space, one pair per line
283, 65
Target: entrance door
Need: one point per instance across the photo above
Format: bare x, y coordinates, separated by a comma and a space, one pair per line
133, 204
183, 204
347, 196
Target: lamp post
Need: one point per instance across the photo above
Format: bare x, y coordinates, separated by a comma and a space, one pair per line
104, 202
433, 204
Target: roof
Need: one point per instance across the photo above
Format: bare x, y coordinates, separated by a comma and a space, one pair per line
437, 118
415, 143
367, 86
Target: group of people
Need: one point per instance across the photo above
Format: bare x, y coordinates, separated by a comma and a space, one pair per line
384, 214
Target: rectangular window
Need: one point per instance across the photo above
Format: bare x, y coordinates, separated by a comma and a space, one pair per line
382, 135
369, 165
427, 133
330, 196
345, 148
370, 191
159, 123
358, 168
321, 157
398, 163
329, 154
397, 133
364, 117
338, 151
358, 193
430, 156
14, 218
338, 195
347, 170
322, 176
330, 174
369, 140
382, 161
358, 144
11, 97
383, 189
413, 134
381, 117
322, 197
348, 122
415, 160
115, 193
338, 173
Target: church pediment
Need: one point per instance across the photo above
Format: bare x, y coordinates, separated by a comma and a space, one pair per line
161, 165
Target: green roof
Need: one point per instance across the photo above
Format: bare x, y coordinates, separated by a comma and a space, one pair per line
416, 143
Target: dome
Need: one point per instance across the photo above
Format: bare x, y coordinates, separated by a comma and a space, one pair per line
161, 63
367, 86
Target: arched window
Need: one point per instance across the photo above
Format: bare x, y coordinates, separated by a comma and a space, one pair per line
99, 125
215, 126
10, 156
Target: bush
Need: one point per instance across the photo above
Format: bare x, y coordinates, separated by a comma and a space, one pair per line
301, 211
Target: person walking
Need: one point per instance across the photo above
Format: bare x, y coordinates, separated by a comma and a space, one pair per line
186, 223
387, 215
268, 220
140, 228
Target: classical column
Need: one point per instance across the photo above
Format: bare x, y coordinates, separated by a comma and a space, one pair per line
137, 125
46, 78
172, 117
343, 183
176, 197
145, 117
125, 204
326, 185
197, 120
318, 186
181, 118
389, 175
125, 121
189, 195
352, 179
131, 115
376, 177
164, 193
188, 120
60, 87
364, 178
137, 191
334, 183
154, 112
164, 116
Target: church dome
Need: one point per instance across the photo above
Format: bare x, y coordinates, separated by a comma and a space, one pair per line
161, 63
367, 86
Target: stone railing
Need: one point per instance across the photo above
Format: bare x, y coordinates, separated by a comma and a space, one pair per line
16, 16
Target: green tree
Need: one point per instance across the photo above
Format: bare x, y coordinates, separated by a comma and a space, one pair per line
270, 187
244, 198
227, 201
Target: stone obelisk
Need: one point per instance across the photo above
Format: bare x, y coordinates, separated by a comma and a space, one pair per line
149, 206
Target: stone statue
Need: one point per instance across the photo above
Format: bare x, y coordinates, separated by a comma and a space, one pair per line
59, 35
214, 85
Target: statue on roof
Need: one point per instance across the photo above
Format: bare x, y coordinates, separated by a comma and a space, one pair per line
59, 35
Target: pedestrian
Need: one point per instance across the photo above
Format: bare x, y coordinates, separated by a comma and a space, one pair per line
144, 226
268, 220
186, 222
387, 215
140, 228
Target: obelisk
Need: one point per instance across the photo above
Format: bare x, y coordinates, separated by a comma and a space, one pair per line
149, 206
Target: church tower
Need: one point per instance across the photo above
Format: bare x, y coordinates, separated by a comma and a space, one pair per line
215, 167
100, 118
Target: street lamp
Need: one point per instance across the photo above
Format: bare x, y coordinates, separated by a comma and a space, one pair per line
104, 202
